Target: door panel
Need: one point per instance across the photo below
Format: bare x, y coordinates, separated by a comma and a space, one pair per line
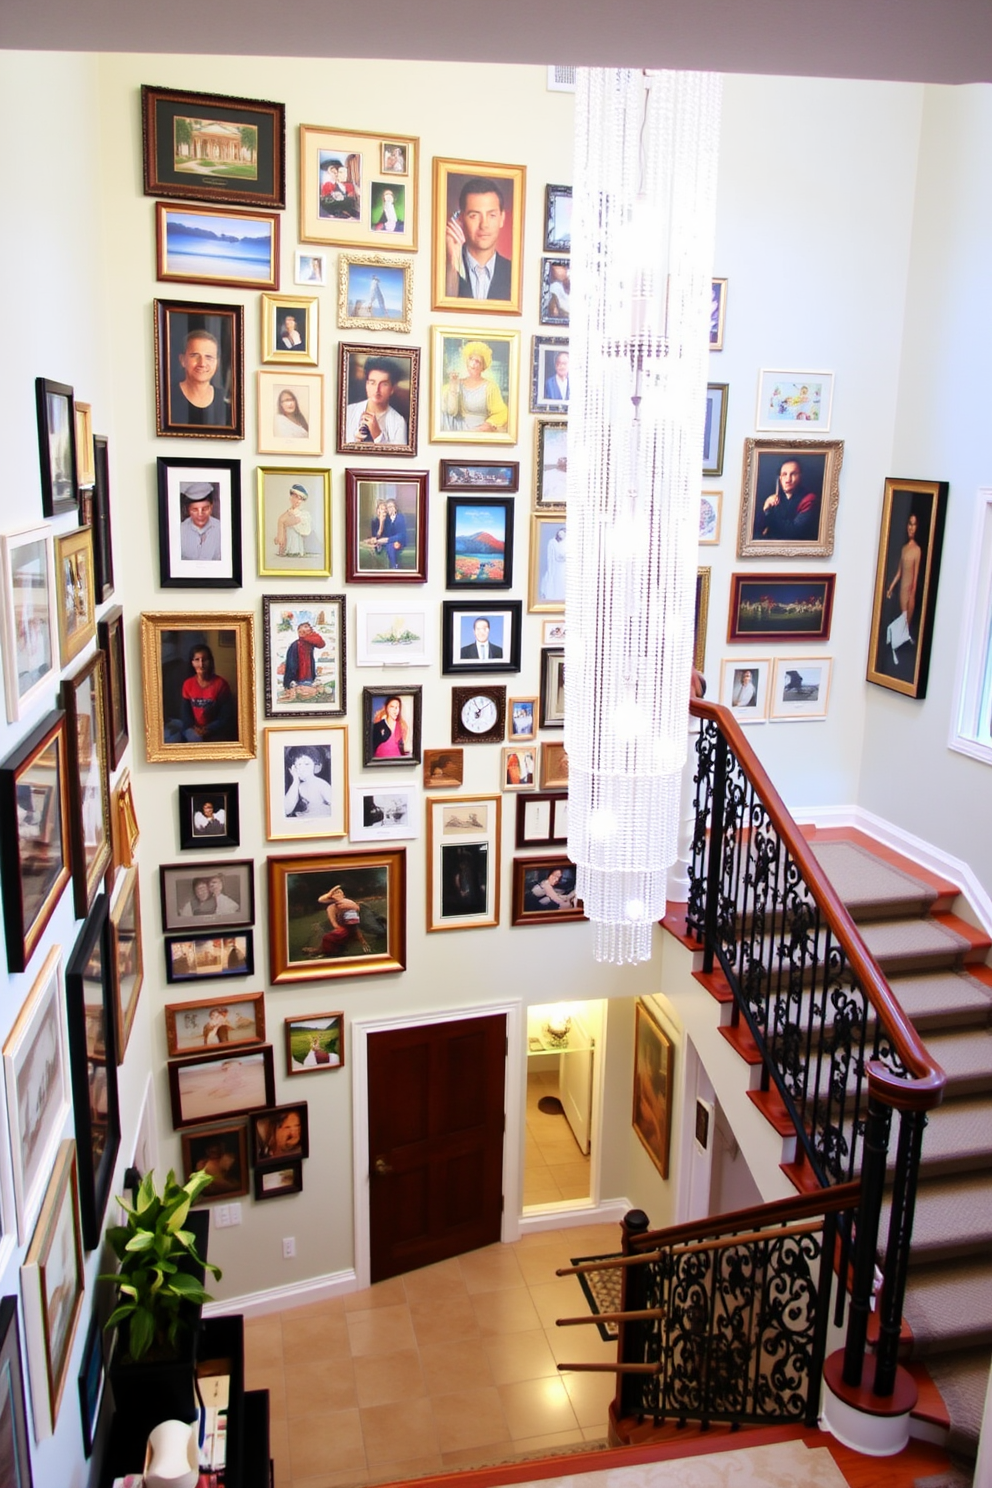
435, 1141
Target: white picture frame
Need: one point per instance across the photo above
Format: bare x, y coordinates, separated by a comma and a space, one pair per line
800, 687
394, 633
744, 687
288, 818
382, 812
29, 620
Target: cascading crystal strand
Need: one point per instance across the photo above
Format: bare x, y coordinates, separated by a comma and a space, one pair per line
643, 215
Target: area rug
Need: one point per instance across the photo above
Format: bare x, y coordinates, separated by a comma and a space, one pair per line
602, 1291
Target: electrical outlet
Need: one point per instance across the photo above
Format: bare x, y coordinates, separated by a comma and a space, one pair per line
233, 1213
222, 1216
288, 1248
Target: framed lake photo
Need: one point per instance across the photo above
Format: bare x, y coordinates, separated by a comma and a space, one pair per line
479, 475
306, 781
211, 148
349, 197
480, 542
463, 862
204, 245
29, 620
336, 916
386, 526
769, 607
293, 526
304, 651
199, 523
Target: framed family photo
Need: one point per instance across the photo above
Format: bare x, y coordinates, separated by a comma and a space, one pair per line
306, 781
767, 607
790, 495
800, 687
336, 916
550, 387
39, 1094
304, 655
463, 862
84, 700
199, 685
551, 465
199, 523
209, 147
207, 896
212, 1023
52, 1285
548, 554
384, 813
293, 522
375, 293
34, 836
217, 1086
213, 245
544, 891
443, 768
76, 588
652, 1087
93, 1068
127, 966
348, 197
205, 958
199, 370
209, 816
314, 1043
391, 725
290, 413
480, 638
56, 447
28, 616
377, 399
386, 527
474, 386
478, 235
480, 542
388, 634
910, 540
110, 629
471, 475
715, 427
744, 688
221, 1151
794, 400
290, 326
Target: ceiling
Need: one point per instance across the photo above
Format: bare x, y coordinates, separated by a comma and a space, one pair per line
939, 41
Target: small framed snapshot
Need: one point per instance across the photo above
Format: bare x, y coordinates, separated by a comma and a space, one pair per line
340, 915
800, 687
797, 401
463, 862
552, 687
384, 813
480, 542
391, 726
550, 387
553, 632
521, 719
93, 1068
375, 293
544, 891
548, 554
83, 697
309, 267
212, 148
127, 967
474, 386
701, 614
290, 413
710, 513
910, 540
52, 1285
557, 219
56, 447
379, 388
388, 634
542, 820
652, 1087
198, 672
790, 494
306, 781
205, 958
221, 1151
216, 1087
85, 468
28, 616
209, 816
718, 312
278, 1182
346, 196
15, 1453
110, 629
478, 714
715, 427
554, 767
76, 588
279, 1135
744, 688
386, 527
211, 245
293, 522
314, 1042
478, 236
34, 836
213, 1023
37, 1080
125, 823
480, 638
304, 654
90, 1380
393, 159
551, 465
475, 475
290, 329
556, 288
199, 370
519, 768
103, 549
443, 768
208, 896
199, 523
767, 607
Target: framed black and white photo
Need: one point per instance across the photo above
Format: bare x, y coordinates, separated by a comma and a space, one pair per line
199, 523
306, 781
480, 637
384, 813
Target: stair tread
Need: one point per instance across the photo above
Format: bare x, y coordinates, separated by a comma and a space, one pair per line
952, 1215
959, 1130
949, 1306
912, 937
965, 1055
962, 1377
866, 884
947, 995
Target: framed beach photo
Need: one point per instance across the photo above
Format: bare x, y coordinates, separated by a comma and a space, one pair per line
83, 697
557, 219
52, 1285
744, 688
213, 1087
910, 540
552, 687
548, 552
542, 820
478, 714
375, 293
346, 196
551, 465
480, 542
127, 966
290, 413
314, 1043
211, 245
336, 916
384, 813
391, 725
477, 260
199, 523
306, 781
279, 1135
480, 638
378, 391
290, 329
85, 468
800, 687
463, 862
205, 958
768, 607
36, 1076
221, 1151
103, 548
304, 655
554, 767
473, 475
213, 1023
718, 312
110, 629
710, 512
34, 836
28, 617
544, 891
207, 896
199, 370
790, 494
474, 386
443, 768
293, 522
794, 401
519, 767
556, 288
309, 267
209, 816
652, 1113
394, 634
198, 672
521, 719
212, 148
715, 427
76, 590
550, 387
56, 447
386, 527
93, 1069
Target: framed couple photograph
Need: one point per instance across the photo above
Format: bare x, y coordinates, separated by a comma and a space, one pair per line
910, 540
336, 916
290, 413
214, 1023
222, 1152
209, 147
209, 816
83, 697
348, 195
199, 523
391, 726
480, 542
790, 495
304, 655
314, 1043
375, 293
550, 387
473, 475
474, 386
768, 607
213, 245
306, 781
199, 370
388, 633
378, 393
290, 329
198, 672
463, 862
74, 576
35, 861
205, 958
209, 896
213, 1087
384, 813
386, 527
544, 891
293, 522
56, 447
480, 639
93, 1069
478, 236
28, 616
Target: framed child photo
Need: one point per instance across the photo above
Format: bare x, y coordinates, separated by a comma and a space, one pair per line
386, 527
57, 447
550, 387
76, 590
340, 915
290, 413
544, 891
480, 542
211, 245
290, 325
213, 1023
199, 370
348, 197
293, 511
478, 236
209, 816
800, 687
551, 465
378, 390
443, 768
910, 540
279, 1135
474, 386
463, 862
304, 655
306, 781
93, 1067
480, 637
375, 293
35, 858
476, 475
28, 617
768, 607
557, 219
388, 634
391, 725
127, 967
221, 1151
521, 719
213, 148
213, 1087
384, 813
198, 671
207, 896
790, 494
715, 427
314, 1042
744, 688
205, 958
556, 285
84, 700
278, 1182
199, 523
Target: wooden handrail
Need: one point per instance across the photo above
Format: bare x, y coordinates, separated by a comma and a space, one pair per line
761, 1216
684, 1247
926, 1089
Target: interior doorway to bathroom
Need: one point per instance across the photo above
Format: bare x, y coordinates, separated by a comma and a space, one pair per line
564, 1041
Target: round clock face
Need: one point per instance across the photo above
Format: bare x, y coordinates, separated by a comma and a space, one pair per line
479, 714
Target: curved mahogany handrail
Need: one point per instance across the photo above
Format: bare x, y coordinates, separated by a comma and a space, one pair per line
759, 1216
926, 1089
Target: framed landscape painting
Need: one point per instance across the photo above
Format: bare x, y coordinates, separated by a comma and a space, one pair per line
389, 633
480, 542
212, 148
768, 607
204, 245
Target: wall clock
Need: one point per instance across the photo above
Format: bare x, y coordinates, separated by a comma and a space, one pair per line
478, 715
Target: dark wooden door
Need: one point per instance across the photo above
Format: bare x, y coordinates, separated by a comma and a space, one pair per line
435, 1141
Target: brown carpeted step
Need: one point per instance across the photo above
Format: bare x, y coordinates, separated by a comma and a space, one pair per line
953, 1219
965, 1056
914, 945
949, 1307
871, 889
962, 1377
943, 999
958, 1137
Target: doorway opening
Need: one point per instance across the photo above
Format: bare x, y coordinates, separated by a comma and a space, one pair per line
563, 1046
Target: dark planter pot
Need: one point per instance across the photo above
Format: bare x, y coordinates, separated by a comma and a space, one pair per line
153, 1390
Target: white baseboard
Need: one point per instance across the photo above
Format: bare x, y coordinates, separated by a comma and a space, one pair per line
567, 1216
279, 1299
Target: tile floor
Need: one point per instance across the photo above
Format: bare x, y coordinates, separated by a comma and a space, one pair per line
554, 1167
449, 1367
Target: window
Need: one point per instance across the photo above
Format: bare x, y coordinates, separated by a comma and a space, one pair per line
971, 729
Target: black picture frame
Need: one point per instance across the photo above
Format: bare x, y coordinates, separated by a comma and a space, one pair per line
91, 1381
178, 323
375, 701
182, 498
192, 803
93, 1069
459, 619
479, 558
278, 1181
84, 698
15, 1468
160, 109
194, 914
110, 630
189, 1108
34, 836
196, 958
103, 548
57, 446
264, 1127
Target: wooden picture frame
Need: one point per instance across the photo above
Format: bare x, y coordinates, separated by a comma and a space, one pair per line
384, 813
125, 822
552, 694
464, 844
15, 1458
35, 860
207, 958
386, 527
93, 1070
28, 618
199, 347
790, 495
209, 816
221, 1151
290, 419
479, 551
557, 219
314, 1043
199, 523
39, 1095
110, 630
245, 138
304, 655
800, 687
388, 633
551, 465
217, 1087
221, 719
548, 566
293, 522
375, 293
475, 383
277, 1182
52, 1285
478, 475
718, 313
802, 401
910, 541
478, 210
127, 968
652, 1105
279, 1135
542, 820
701, 613
85, 467
306, 782
76, 591
378, 399
521, 720
444, 769
391, 736
84, 700
549, 361
311, 939
204, 897
56, 447
554, 767
544, 891
216, 246
478, 714
519, 767
715, 427
228, 1022
469, 626
103, 547
773, 607
744, 687
343, 198
291, 329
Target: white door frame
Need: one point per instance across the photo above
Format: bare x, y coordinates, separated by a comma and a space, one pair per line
361, 1029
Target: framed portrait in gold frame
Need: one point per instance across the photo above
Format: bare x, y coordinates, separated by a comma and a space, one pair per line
478, 212
474, 386
652, 1119
343, 196
375, 292
290, 328
75, 591
185, 658
337, 915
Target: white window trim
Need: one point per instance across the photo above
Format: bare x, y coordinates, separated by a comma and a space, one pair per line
971, 723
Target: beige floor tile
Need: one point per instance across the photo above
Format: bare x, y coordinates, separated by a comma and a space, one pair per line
332, 1444
468, 1418
593, 1434
539, 1263
505, 1312
471, 1457
490, 1270
344, 1478
389, 1293
534, 1238
383, 1378
263, 1341
562, 1297
594, 1239
519, 1356
433, 1281
382, 1330
264, 1374
537, 1407
584, 1345
458, 1364
416, 1467
306, 1337
320, 1386
279, 1452
542, 1443
590, 1395
452, 1318
540, 1188
396, 1433
572, 1179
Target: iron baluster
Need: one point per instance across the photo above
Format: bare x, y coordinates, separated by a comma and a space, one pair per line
876, 1146
911, 1127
